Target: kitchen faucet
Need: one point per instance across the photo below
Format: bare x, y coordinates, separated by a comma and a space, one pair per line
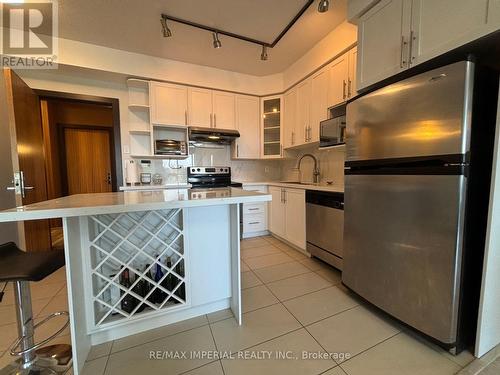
316, 169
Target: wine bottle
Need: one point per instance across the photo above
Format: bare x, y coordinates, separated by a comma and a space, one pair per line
148, 286
159, 294
139, 289
167, 283
181, 291
127, 302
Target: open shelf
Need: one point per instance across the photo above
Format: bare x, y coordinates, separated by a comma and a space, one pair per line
141, 107
159, 157
149, 247
140, 132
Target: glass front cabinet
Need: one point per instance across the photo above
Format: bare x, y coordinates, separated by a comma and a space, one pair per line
272, 127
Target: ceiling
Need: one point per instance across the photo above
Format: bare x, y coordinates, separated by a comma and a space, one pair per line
134, 26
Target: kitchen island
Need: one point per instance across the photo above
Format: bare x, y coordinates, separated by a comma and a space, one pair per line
187, 238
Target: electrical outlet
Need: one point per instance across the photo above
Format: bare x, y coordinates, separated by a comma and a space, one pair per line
266, 169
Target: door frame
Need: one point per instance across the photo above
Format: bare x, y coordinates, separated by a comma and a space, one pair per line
61, 127
116, 157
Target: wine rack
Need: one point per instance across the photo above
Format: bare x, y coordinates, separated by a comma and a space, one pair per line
136, 244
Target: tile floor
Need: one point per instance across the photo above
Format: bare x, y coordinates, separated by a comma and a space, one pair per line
292, 304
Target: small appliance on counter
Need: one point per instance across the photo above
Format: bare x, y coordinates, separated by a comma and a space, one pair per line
132, 176
146, 178
210, 177
332, 131
170, 147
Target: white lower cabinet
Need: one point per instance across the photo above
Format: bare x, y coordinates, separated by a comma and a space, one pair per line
287, 215
254, 215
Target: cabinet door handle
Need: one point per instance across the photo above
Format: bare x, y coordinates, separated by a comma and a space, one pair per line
254, 222
237, 151
284, 195
293, 138
186, 116
211, 120
349, 88
344, 89
253, 209
411, 58
215, 121
402, 58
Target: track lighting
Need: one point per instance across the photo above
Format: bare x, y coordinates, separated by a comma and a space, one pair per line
217, 43
323, 6
263, 55
165, 30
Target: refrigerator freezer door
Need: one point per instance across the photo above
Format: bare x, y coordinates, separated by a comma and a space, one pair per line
402, 247
422, 116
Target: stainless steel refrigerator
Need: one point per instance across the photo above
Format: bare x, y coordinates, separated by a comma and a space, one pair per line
418, 167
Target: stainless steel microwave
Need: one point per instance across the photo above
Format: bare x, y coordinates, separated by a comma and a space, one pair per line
170, 147
332, 131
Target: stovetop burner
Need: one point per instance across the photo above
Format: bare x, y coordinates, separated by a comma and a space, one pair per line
210, 177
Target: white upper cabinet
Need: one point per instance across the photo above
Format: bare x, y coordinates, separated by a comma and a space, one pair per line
352, 84
200, 107
494, 14
439, 26
397, 34
248, 124
290, 118
169, 104
319, 102
303, 110
383, 41
337, 80
224, 110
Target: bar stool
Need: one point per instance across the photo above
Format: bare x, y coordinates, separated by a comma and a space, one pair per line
21, 268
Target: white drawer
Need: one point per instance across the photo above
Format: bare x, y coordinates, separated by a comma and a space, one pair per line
254, 208
254, 223
259, 188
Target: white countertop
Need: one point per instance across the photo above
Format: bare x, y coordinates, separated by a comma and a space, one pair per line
129, 201
305, 186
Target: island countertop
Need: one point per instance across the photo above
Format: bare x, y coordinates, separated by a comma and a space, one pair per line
102, 203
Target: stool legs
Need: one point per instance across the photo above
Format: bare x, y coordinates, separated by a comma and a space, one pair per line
22, 295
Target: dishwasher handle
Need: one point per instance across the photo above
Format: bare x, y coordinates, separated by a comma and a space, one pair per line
326, 199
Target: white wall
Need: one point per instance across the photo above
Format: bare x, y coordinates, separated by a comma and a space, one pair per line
338, 40
84, 55
488, 331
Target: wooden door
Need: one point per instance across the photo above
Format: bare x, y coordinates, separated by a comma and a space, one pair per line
319, 103
169, 104
277, 212
303, 110
200, 107
248, 124
290, 116
440, 26
383, 41
296, 217
21, 108
88, 160
224, 110
337, 80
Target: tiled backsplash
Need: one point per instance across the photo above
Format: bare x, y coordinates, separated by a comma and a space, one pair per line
174, 171
331, 165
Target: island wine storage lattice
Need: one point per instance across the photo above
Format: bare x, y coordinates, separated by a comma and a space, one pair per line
148, 247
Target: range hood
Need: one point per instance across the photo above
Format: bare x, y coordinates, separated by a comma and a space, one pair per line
207, 135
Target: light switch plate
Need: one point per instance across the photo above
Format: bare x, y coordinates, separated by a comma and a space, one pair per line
126, 149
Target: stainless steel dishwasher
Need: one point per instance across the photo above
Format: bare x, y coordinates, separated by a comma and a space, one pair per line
325, 226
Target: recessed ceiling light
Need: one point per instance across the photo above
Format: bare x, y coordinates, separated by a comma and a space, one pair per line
323, 6
217, 43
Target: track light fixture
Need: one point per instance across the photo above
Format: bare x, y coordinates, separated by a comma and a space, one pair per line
323, 6
167, 33
263, 55
217, 43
